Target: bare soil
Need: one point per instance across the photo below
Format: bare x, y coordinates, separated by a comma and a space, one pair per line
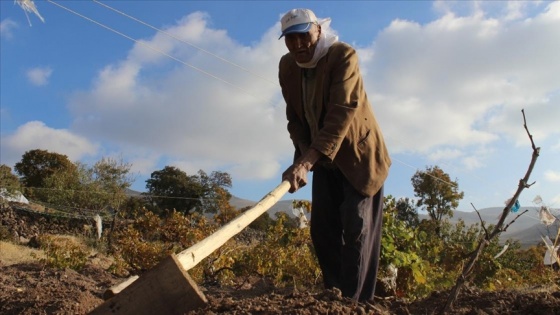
30, 287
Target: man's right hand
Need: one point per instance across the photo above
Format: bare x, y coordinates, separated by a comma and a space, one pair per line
296, 175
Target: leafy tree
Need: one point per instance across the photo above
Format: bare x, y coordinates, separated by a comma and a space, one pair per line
111, 177
406, 211
226, 211
7, 179
65, 189
171, 188
215, 197
37, 165
436, 193
100, 186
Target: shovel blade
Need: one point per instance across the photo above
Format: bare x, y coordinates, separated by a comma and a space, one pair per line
165, 289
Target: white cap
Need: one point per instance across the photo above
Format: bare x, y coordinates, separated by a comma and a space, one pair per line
297, 21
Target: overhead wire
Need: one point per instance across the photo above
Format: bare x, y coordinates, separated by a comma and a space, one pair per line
153, 48
142, 195
184, 42
200, 70
469, 174
192, 66
185, 63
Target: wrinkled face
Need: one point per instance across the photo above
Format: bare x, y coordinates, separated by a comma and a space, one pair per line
302, 45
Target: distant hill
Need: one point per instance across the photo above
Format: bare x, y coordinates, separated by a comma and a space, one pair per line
527, 229
132, 193
282, 205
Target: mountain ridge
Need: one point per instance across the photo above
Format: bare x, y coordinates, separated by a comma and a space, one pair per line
527, 228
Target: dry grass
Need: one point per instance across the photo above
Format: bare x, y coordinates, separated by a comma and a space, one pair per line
12, 254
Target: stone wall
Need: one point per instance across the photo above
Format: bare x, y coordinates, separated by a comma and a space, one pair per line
24, 223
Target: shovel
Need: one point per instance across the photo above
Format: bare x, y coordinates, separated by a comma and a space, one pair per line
167, 288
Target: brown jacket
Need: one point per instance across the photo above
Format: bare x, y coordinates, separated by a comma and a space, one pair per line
349, 135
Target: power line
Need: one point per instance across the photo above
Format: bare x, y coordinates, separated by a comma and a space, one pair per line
142, 195
184, 41
430, 175
154, 49
192, 66
185, 63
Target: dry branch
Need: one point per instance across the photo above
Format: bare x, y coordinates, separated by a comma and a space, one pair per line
468, 268
487, 236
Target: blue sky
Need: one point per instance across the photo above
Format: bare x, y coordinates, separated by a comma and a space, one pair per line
193, 84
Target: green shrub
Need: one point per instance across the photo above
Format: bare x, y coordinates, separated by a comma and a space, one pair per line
286, 256
62, 252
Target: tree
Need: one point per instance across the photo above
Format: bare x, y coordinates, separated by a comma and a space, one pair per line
112, 178
215, 197
436, 193
406, 211
64, 189
37, 165
102, 185
7, 179
171, 188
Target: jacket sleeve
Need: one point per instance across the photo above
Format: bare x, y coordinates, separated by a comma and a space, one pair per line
342, 90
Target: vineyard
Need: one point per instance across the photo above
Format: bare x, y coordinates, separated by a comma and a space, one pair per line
267, 269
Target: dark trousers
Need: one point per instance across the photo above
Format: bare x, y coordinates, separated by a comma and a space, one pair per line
346, 233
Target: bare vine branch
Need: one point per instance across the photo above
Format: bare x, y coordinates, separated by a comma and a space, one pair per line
512, 221
481, 222
497, 229
528, 133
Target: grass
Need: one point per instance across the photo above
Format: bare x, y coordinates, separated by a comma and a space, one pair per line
14, 254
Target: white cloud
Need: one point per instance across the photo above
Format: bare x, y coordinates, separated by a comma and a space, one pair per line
462, 81
39, 76
444, 154
6, 28
472, 162
214, 117
443, 89
552, 176
36, 135
450, 90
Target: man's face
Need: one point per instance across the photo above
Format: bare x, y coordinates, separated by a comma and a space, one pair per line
302, 45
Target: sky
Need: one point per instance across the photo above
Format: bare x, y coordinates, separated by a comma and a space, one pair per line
193, 84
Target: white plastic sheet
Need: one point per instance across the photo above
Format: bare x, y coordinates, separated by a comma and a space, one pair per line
29, 6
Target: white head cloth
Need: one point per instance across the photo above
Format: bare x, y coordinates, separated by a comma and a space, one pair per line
326, 39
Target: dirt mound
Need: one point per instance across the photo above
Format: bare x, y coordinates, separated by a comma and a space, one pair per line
31, 288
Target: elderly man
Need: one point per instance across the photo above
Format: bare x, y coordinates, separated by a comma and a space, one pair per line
336, 135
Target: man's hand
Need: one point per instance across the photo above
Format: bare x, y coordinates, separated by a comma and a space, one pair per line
296, 174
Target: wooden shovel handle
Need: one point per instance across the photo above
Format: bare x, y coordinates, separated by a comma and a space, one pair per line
191, 256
